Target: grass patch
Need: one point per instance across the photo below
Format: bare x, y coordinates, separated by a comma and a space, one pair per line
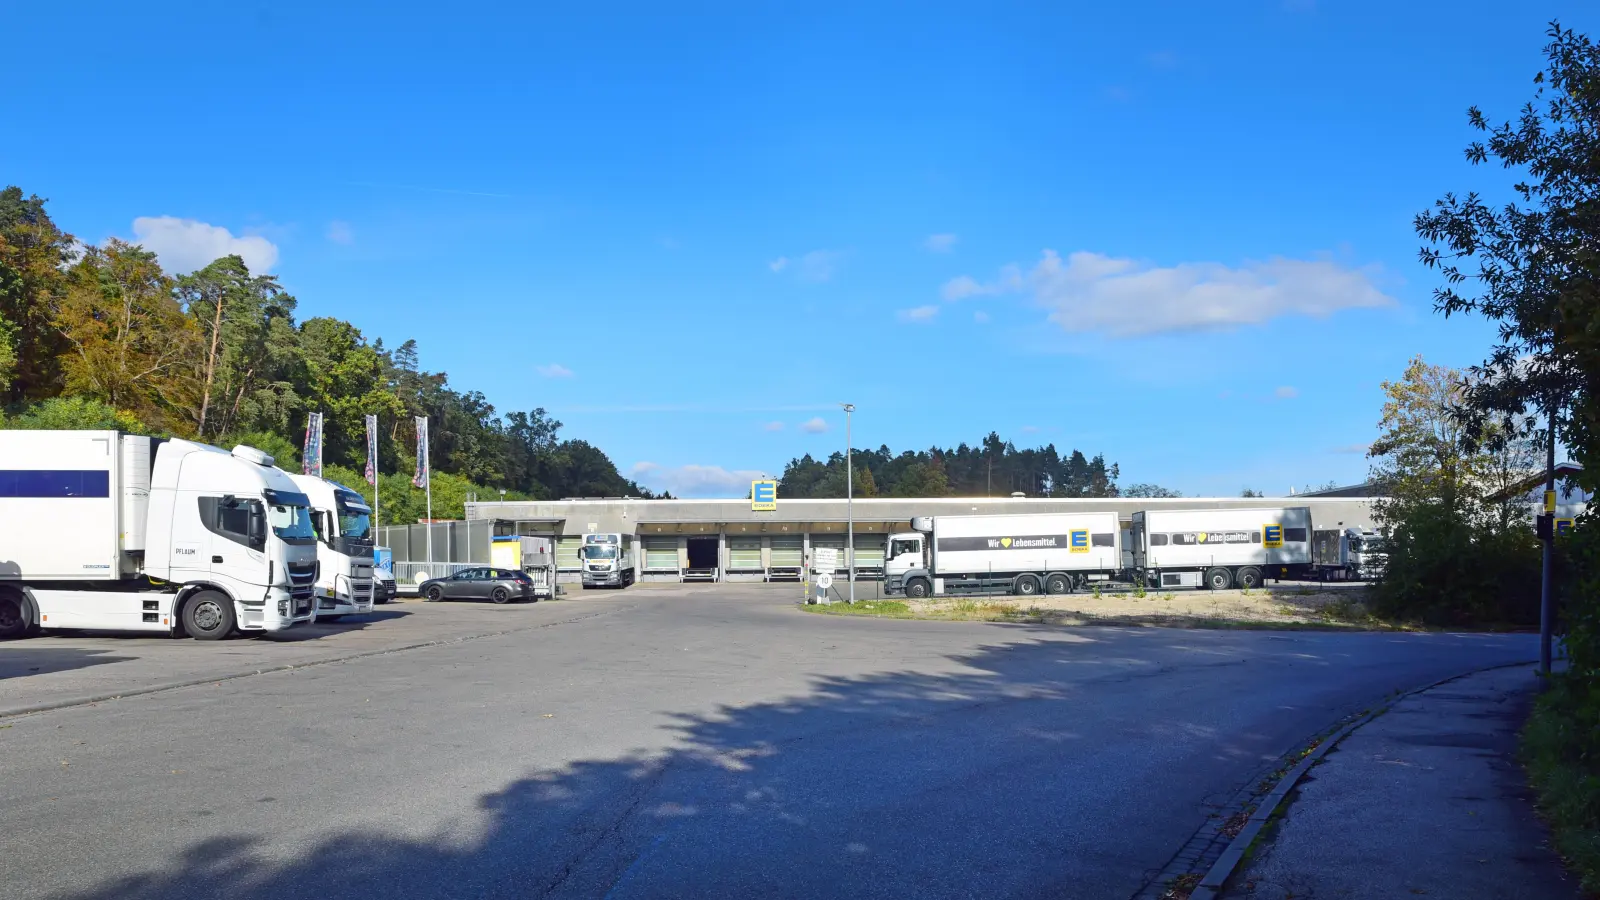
890, 608
1555, 748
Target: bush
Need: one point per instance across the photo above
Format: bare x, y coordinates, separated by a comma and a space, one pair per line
1444, 569
75, 413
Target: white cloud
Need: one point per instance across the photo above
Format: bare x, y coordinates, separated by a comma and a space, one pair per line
1091, 292
1353, 448
1286, 393
940, 243
819, 265
918, 314
814, 425
340, 232
695, 480
773, 426
981, 317
184, 245
779, 264
554, 370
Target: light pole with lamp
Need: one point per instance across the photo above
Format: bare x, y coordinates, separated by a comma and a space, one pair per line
849, 497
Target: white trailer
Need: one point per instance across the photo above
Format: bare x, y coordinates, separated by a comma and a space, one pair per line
101, 530
607, 559
1051, 553
1221, 548
343, 523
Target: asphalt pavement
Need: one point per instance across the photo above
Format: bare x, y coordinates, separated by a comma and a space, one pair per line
1428, 799
683, 742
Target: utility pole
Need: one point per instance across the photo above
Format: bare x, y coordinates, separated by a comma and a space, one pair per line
1547, 602
849, 499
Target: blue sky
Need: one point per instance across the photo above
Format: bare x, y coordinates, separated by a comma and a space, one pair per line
1177, 236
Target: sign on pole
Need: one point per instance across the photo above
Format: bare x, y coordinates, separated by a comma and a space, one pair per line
764, 496
311, 453
825, 559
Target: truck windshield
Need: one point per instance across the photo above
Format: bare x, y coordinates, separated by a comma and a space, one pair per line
291, 523
355, 522
595, 551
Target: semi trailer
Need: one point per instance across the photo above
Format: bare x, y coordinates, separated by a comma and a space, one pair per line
1050, 553
1223, 548
607, 559
110, 531
343, 524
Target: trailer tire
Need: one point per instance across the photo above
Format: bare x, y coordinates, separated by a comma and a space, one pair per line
208, 616
918, 588
1249, 578
1025, 586
1057, 584
13, 616
1219, 579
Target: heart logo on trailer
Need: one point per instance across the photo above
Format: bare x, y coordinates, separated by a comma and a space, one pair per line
1005, 542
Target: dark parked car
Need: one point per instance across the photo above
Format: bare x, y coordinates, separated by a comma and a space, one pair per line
481, 583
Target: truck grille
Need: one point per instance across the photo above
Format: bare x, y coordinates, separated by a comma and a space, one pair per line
301, 582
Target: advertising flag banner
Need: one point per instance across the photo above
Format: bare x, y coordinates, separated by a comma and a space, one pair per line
311, 453
421, 478
372, 450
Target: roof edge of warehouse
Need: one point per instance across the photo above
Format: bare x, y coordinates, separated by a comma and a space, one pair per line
1312, 495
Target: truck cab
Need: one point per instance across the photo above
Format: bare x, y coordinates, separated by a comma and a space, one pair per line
904, 555
607, 560
342, 522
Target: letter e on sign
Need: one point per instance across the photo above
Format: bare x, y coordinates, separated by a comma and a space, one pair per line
1079, 542
764, 496
1272, 535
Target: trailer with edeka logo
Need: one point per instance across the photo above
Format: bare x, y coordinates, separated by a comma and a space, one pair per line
1222, 548
1050, 553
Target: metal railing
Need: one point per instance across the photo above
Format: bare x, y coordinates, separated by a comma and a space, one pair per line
407, 575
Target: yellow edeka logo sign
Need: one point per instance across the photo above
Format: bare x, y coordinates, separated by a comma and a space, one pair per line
1272, 535
1078, 542
764, 496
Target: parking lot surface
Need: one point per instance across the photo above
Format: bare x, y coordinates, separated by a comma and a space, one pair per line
678, 742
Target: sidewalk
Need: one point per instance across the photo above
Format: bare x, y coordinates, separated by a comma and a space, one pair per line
1427, 800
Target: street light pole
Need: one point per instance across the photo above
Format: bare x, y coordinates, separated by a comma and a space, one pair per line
849, 499
1547, 605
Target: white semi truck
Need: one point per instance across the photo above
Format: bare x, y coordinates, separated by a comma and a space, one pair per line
103, 530
1223, 548
343, 524
1051, 553
607, 559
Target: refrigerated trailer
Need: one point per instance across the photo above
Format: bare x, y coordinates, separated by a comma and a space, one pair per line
102, 530
1051, 553
1223, 548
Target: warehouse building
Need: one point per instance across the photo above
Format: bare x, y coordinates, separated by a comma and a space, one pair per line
728, 540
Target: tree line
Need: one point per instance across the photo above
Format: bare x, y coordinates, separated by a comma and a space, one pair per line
104, 337
993, 467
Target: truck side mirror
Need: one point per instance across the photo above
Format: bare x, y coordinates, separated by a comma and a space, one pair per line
258, 527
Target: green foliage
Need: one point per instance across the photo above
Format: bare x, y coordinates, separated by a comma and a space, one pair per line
993, 468
1445, 569
1559, 747
1152, 490
75, 413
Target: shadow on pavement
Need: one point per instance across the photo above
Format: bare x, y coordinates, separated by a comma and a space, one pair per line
318, 630
40, 659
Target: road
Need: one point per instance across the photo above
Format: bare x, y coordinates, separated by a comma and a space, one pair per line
677, 742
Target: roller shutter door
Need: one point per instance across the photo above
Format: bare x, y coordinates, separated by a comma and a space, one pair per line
836, 541
788, 552
744, 554
869, 551
661, 553
567, 552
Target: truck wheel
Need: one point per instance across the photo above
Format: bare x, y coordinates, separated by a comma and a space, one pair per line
208, 616
1219, 579
918, 588
1057, 584
435, 593
500, 595
12, 622
1249, 578
1025, 586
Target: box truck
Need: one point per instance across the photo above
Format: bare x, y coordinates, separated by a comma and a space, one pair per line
343, 523
1222, 548
607, 559
102, 530
1051, 553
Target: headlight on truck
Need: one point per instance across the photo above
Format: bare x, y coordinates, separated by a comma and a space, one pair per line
283, 608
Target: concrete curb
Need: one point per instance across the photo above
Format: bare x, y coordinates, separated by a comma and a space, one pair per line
287, 667
1210, 886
